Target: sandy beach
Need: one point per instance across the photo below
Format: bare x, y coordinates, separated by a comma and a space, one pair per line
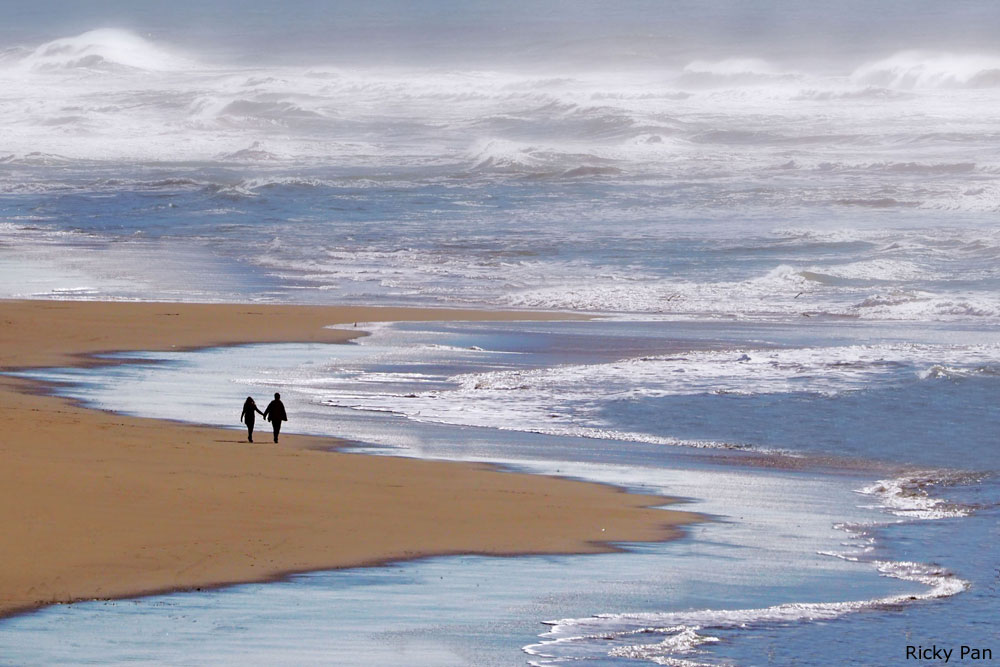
97, 505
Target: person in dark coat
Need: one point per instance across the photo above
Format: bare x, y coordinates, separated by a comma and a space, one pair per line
275, 413
248, 417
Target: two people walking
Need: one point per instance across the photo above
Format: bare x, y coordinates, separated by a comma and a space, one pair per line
274, 413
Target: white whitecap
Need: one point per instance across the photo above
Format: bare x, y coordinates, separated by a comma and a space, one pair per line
103, 48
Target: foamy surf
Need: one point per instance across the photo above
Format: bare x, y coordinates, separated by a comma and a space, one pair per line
549, 161
576, 400
685, 637
910, 496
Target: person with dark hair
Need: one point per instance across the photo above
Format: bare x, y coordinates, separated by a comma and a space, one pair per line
275, 413
248, 417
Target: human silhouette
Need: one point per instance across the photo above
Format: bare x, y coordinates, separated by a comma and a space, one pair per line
275, 413
248, 417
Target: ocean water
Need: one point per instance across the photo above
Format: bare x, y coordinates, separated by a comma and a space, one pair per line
783, 216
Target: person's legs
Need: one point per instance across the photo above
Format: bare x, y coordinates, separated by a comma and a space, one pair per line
277, 427
249, 430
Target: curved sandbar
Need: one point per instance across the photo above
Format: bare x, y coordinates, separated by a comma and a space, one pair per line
96, 505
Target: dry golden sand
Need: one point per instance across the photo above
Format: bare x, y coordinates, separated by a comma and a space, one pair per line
96, 505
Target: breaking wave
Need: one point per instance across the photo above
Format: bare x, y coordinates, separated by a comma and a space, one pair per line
734, 72
507, 157
104, 50
909, 496
910, 70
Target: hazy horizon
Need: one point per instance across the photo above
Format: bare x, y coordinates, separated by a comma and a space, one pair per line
639, 34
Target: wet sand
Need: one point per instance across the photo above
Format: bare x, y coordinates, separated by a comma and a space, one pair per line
96, 505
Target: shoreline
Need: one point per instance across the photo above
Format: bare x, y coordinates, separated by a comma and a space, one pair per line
103, 506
